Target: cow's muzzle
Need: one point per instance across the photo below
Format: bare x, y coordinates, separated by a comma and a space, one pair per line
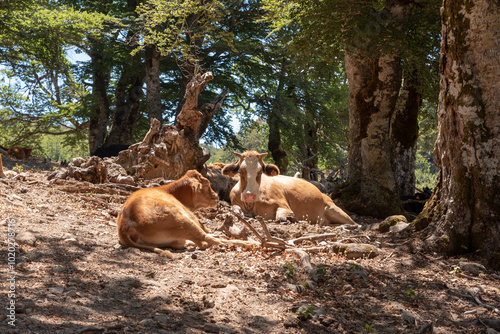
249, 197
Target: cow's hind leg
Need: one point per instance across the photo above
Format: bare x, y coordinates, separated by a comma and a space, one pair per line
334, 214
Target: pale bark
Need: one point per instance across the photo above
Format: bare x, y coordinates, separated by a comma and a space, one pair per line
373, 90
464, 213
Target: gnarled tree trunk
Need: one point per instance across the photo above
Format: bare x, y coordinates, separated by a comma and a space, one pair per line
463, 215
169, 151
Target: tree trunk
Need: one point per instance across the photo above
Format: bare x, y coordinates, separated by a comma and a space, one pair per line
404, 135
373, 91
101, 72
274, 120
128, 97
310, 150
463, 213
153, 91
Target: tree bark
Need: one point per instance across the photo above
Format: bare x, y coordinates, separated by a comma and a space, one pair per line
373, 91
274, 120
101, 72
310, 149
128, 97
404, 135
153, 90
463, 213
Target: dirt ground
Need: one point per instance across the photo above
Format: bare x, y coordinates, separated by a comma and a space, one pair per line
72, 276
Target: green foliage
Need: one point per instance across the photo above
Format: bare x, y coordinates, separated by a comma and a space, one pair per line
425, 170
411, 293
289, 269
57, 148
370, 328
305, 311
251, 137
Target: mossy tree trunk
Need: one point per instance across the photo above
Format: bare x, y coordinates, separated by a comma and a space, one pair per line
463, 215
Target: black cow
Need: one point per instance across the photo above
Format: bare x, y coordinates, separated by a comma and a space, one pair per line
110, 151
416, 202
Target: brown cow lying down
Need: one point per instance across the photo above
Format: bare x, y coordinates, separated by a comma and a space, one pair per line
163, 217
262, 191
2, 175
19, 152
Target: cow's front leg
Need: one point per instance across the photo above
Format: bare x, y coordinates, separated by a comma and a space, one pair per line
284, 215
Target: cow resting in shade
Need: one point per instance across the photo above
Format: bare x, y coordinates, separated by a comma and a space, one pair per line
262, 191
163, 217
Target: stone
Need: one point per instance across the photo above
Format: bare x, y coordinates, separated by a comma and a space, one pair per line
291, 321
26, 238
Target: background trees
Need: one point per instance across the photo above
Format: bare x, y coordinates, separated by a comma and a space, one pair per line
389, 50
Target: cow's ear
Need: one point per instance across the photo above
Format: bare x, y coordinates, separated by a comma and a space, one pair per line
271, 170
230, 170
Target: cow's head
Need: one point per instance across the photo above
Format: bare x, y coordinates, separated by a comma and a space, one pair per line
202, 195
250, 167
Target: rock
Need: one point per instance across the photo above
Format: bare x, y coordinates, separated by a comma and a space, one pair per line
391, 221
291, 321
26, 238
399, 227
211, 328
149, 323
474, 268
161, 318
56, 290
354, 251
209, 303
326, 320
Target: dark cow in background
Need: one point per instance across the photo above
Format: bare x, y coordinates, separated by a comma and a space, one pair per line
110, 151
262, 191
416, 202
20, 153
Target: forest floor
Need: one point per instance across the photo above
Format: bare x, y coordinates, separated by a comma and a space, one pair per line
72, 276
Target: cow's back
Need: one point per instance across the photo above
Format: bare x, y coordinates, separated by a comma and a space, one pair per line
302, 197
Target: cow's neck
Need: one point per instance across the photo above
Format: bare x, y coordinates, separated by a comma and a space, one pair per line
182, 190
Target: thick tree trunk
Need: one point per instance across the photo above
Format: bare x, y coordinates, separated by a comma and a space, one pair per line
373, 91
274, 121
404, 135
101, 72
128, 97
463, 215
153, 91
